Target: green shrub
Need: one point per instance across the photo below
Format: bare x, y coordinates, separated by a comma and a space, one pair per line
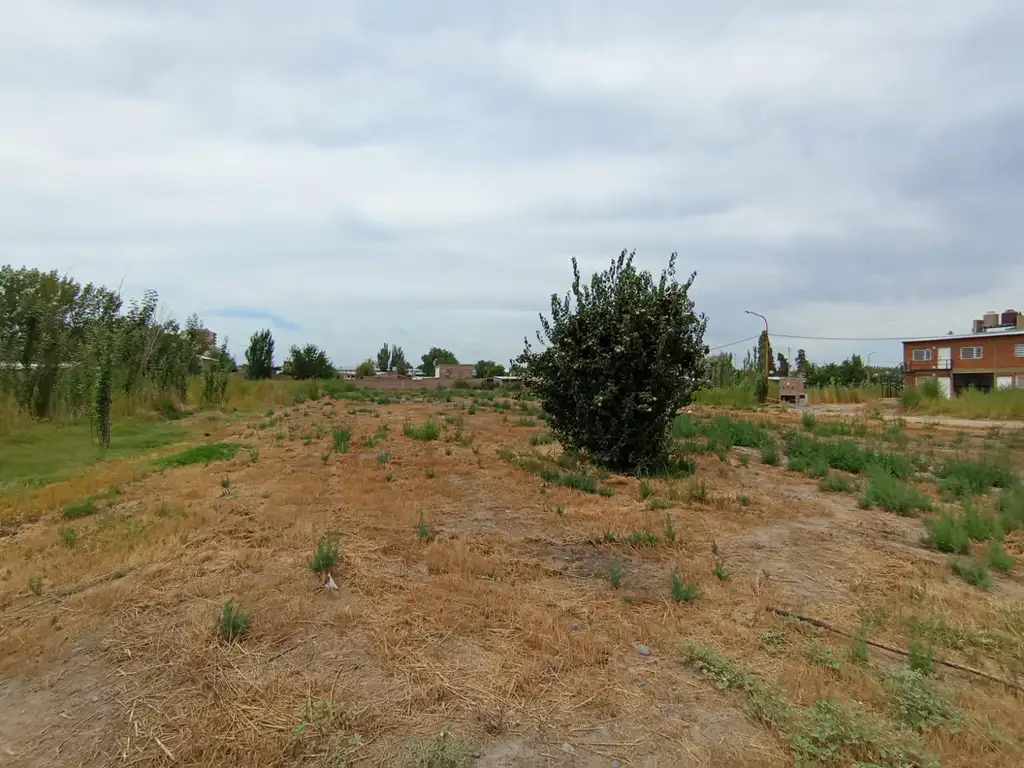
947, 534
892, 495
910, 398
199, 454
770, 454
963, 476
980, 527
918, 703
835, 484
929, 389
647, 342
975, 574
998, 557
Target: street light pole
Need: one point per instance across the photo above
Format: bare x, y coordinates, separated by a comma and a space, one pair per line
869, 367
767, 344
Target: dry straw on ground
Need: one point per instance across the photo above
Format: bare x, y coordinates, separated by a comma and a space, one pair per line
502, 632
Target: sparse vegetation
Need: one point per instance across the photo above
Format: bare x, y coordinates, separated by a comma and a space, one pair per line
615, 574
429, 430
233, 624
79, 509
885, 491
424, 531
974, 573
341, 436
326, 555
199, 454
683, 592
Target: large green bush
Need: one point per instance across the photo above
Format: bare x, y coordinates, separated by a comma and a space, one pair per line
621, 356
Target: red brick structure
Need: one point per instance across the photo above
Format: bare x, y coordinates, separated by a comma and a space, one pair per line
988, 359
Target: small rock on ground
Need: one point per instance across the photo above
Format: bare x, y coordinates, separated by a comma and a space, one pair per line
643, 650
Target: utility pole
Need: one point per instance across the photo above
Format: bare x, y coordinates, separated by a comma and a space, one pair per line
767, 343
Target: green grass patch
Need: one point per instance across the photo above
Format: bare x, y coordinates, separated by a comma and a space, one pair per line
79, 509
974, 573
199, 454
824, 733
42, 454
341, 436
836, 484
429, 430
966, 477
885, 491
541, 438
566, 471
847, 456
918, 703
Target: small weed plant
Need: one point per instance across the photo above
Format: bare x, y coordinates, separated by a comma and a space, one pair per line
615, 575
429, 430
233, 623
341, 435
325, 556
425, 532
683, 592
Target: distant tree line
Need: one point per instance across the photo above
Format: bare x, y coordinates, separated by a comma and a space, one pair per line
722, 371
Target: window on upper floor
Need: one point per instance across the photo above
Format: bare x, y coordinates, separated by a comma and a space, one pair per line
1018, 350
970, 353
922, 355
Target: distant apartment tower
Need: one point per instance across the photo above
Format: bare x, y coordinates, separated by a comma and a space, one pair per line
990, 357
207, 338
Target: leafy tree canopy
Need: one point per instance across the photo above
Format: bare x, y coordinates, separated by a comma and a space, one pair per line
486, 368
365, 368
260, 355
437, 356
309, 362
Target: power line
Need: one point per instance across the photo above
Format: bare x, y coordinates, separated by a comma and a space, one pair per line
855, 338
733, 343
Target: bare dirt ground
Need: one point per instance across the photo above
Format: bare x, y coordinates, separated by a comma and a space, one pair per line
495, 637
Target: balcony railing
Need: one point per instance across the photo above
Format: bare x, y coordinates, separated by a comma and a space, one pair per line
930, 365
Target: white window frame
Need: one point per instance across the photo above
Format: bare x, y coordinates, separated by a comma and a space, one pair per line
1020, 382
977, 353
1018, 350
921, 355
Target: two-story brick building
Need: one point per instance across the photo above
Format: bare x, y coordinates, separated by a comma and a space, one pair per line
991, 357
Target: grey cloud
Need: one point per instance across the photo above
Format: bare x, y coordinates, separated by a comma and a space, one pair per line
425, 172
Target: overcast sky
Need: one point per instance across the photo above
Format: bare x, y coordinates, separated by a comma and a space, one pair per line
350, 173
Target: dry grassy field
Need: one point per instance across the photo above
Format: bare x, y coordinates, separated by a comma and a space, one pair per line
489, 613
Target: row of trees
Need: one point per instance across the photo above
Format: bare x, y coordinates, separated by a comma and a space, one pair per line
67, 349
722, 370
311, 362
